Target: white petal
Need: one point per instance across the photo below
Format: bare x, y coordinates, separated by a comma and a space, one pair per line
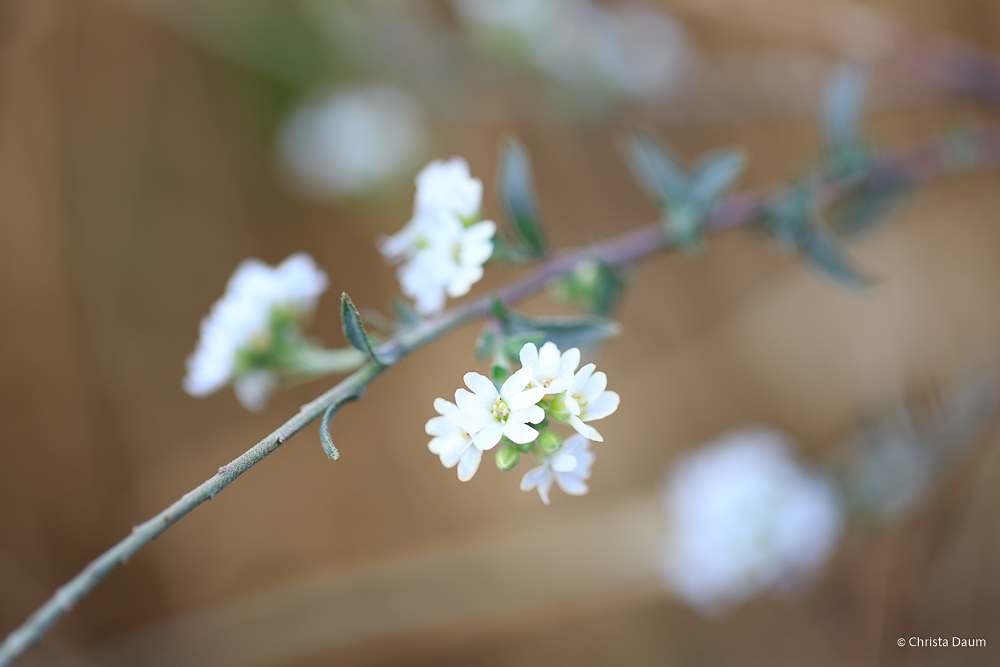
462, 279
564, 462
446, 408
534, 477
481, 385
556, 386
569, 361
571, 484
519, 433
532, 414
480, 232
596, 385
529, 356
581, 377
526, 398
585, 430
605, 405
253, 389
571, 405
441, 426
449, 449
469, 463
548, 360
470, 403
515, 384
489, 435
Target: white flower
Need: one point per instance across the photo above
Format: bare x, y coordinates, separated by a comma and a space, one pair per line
587, 401
351, 141
450, 264
451, 442
488, 415
241, 320
445, 190
745, 517
569, 467
442, 249
550, 370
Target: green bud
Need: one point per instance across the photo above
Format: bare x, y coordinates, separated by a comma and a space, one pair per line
526, 447
549, 442
507, 457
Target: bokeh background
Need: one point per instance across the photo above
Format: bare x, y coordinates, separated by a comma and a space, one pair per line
145, 151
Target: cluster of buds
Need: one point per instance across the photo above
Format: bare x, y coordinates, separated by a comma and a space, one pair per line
517, 413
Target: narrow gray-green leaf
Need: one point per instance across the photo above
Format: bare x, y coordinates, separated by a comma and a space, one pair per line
565, 332
517, 194
656, 170
325, 439
354, 329
717, 172
843, 102
824, 251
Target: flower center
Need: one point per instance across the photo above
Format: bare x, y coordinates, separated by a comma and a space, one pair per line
456, 253
581, 400
500, 410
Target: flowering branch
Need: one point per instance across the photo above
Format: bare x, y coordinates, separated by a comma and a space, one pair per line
922, 162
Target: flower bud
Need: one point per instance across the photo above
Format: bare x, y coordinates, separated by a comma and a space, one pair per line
526, 447
507, 457
549, 442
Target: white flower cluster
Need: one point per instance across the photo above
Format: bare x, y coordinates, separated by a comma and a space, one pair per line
241, 321
745, 517
443, 247
547, 385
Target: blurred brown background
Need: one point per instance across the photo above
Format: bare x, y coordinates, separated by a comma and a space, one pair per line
137, 170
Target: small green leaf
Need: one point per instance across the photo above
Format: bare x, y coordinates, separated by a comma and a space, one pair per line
500, 311
823, 250
499, 374
507, 457
324, 432
594, 286
843, 102
403, 312
865, 211
485, 343
565, 332
517, 194
716, 173
354, 330
655, 168
513, 343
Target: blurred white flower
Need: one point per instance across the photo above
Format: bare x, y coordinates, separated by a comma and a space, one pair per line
442, 247
488, 415
586, 400
629, 49
445, 191
745, 517
569, 467
450, 264
352, 141
451, 442
644, 53
550, 369
241, 320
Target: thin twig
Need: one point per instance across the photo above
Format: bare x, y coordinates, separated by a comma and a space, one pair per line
923, 162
